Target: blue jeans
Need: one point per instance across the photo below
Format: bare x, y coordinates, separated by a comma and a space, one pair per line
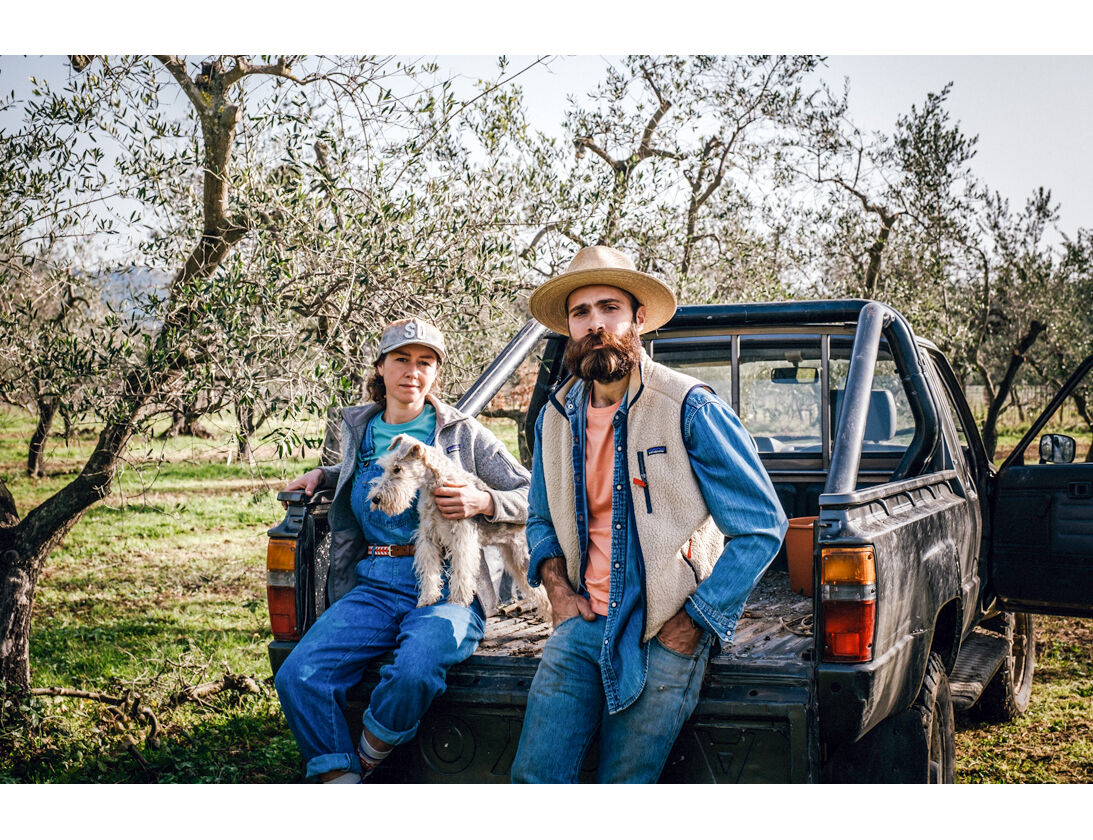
378, 615
567, 707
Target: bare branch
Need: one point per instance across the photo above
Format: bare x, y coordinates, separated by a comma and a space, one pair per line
587, 143
177, 68
645, 148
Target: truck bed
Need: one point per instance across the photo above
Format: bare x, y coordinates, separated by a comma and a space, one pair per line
751, 723
775, 627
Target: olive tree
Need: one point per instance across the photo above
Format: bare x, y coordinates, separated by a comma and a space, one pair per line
275, 243
669, 155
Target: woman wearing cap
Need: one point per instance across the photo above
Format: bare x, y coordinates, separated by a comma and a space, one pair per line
372, 585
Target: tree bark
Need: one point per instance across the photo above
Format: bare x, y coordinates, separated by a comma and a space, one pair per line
187, 421
876, 251
47, 409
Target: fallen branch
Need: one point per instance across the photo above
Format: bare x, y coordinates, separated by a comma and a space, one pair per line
130, 706
134, 750
58, 691
239, 683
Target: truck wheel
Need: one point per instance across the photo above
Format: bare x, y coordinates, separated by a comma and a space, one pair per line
934, 710
1007, 696
915, 746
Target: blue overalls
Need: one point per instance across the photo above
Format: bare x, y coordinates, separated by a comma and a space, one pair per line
378, 615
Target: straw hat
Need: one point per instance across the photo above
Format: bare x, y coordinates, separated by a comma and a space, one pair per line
598, 265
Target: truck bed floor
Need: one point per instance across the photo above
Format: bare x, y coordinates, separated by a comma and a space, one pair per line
776, 626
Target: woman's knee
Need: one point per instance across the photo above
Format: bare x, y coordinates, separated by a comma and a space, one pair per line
417, 672
287, 679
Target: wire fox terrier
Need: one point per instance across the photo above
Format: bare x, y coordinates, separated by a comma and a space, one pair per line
411, 468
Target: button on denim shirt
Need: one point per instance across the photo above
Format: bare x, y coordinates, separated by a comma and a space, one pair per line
738, 493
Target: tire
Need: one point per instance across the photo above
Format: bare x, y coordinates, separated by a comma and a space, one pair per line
1008, 694
931, 723
916, 746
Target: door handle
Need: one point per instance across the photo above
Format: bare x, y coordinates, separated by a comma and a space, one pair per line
1080, 490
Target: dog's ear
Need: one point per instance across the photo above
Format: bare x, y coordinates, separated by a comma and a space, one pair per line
417, 450
429, 459
395, 442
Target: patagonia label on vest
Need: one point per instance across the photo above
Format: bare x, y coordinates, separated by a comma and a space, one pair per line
657, 450
453, 448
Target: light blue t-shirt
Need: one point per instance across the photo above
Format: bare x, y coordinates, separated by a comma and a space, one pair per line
421, 427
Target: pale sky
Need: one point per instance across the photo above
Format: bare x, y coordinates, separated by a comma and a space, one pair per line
1033, 114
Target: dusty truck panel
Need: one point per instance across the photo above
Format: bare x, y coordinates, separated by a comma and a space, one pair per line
924, 512
860, 425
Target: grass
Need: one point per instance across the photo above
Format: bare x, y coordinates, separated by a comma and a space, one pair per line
1053, 741
159, 587
162, 586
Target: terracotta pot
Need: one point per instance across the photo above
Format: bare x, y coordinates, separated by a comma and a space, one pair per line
799, 543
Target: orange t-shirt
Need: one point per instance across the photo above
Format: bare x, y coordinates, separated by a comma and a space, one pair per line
599, 469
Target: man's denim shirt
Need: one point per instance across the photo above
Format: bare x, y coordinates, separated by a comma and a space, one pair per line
738, 493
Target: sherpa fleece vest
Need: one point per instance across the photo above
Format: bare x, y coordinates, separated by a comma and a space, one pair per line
678, 539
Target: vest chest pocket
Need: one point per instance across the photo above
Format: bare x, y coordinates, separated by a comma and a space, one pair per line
654, 475
643, 482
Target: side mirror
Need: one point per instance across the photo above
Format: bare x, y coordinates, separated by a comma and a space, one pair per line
1056, 449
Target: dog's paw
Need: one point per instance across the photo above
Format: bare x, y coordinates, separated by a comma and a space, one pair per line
461, 593
430, 593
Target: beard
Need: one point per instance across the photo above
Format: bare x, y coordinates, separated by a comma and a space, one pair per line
604, 357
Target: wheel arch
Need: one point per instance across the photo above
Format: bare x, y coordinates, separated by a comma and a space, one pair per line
948, 627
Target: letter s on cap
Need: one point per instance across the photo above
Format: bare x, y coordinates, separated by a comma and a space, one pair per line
410, 330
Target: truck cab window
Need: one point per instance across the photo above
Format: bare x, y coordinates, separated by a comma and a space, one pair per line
780, 396
953, 421
890, 425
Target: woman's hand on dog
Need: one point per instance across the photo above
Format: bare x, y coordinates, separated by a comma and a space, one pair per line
461, 501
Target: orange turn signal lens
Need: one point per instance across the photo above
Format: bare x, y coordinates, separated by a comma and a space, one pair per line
852, 565
281, 555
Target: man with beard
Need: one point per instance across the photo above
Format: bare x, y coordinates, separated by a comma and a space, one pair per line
639, 473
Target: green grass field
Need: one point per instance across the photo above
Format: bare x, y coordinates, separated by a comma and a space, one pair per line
162, 587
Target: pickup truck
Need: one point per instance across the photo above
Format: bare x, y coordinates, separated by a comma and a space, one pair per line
922, 562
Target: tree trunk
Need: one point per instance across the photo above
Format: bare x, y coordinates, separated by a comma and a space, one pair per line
186, 420
1082, 405
332, 437
26, 544
245, 428
70, 426
47, 409
876, 253
994, 410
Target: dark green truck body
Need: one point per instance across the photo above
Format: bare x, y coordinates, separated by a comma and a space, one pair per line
870, 434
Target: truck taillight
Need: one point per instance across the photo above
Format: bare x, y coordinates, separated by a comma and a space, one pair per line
848, 603
281, 589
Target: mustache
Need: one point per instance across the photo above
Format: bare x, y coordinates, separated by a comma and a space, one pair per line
603, 356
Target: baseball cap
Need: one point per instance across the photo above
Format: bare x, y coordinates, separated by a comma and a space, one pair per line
412, 331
